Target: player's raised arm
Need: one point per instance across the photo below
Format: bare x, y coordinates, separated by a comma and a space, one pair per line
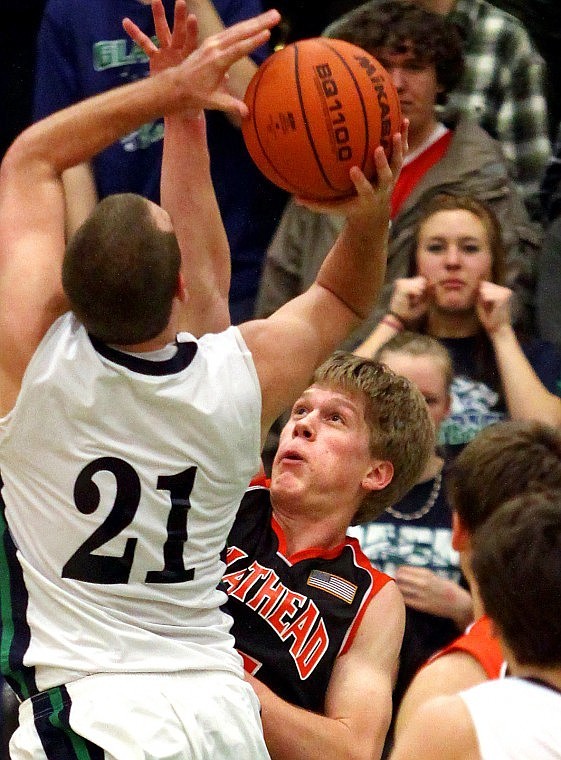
292, 342
31, 193
187, 193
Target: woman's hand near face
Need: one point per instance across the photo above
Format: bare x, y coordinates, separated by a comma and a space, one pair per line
410, 298
493, 307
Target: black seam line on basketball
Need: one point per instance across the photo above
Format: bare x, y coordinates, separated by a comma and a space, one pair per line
362, 103
258, 134
308, 131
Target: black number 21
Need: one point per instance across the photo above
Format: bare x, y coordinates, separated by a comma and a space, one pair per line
83, 565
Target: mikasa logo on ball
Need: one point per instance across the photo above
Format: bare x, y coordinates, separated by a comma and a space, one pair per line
334, 112
378, 82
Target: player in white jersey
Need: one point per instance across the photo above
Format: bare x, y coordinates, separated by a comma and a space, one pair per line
124, 447
516, 561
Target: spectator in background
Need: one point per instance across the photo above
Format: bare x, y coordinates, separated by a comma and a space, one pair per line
456, 293
82, 50
516, 564
548, 284
422, 52
412, 540
306, 18
551, 184
505, 460
542, 19
504, 88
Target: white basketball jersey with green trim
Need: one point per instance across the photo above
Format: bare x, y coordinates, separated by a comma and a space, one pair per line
121, 477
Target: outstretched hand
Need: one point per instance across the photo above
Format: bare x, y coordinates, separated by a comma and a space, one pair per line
369, 193
173, 47
202, 68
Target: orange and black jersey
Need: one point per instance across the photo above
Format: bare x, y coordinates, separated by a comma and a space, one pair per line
478, 641
293, 615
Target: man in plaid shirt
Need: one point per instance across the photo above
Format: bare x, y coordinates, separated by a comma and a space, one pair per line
503, 87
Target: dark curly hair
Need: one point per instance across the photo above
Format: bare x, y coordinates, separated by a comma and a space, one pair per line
395, 26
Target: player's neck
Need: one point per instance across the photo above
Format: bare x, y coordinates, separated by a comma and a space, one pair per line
161, 340
549, 675
417, 138
432, 468
304, 531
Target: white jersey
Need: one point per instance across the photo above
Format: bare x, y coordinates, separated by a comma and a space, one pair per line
120, 480
515, 718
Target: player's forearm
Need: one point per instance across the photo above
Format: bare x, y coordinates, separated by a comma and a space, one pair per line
188, 196
355, 267
292, 733
80, 194
73, 135
526, 396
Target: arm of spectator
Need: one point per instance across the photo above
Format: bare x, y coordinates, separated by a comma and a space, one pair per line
444, 676
526, 396
426, 591
359, 697
241, 72
408, 303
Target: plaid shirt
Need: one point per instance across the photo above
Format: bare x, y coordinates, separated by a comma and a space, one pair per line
504, 88
551, 185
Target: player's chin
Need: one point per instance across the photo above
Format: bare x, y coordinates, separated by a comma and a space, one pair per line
287, 482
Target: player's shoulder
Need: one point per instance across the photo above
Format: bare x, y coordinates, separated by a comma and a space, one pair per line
379, 578
440, 729
257, 496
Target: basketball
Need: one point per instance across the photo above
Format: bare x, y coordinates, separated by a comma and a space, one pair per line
316, 108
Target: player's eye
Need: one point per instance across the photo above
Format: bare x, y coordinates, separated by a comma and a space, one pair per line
335, 417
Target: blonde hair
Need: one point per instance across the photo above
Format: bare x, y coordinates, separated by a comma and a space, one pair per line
417, 344
401, 430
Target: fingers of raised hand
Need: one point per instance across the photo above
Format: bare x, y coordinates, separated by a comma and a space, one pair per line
399, 149
160, 23
239, 40
142, 40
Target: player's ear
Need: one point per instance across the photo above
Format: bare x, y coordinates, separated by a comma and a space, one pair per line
181, 290
460, 534
378, 476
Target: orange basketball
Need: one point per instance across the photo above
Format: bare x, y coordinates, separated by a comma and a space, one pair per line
316, 108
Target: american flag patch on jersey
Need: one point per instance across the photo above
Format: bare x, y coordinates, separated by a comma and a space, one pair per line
333, 584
